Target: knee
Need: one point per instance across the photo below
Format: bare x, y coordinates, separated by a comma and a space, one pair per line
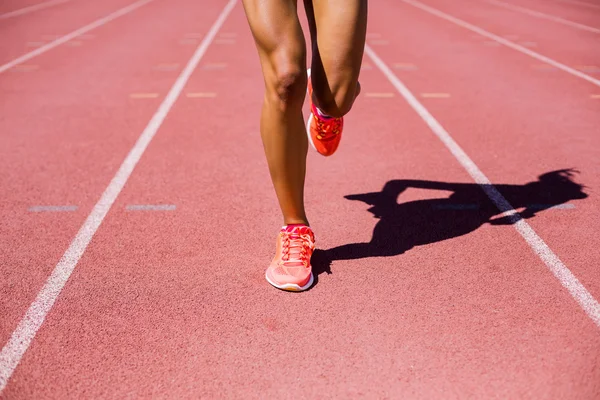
286, 85
343, 95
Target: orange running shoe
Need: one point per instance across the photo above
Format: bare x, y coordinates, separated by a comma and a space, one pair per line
290, 268
324, 134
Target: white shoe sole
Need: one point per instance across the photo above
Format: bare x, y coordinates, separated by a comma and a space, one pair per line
310, 117
292, 287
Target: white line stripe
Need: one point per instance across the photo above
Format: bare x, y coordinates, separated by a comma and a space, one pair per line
151, 207
35, 7
582, 3
52, 208
74, 34
542, 15
560, 271
566, 206
503, 41
33, 319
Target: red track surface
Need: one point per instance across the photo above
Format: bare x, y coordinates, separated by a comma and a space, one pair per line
173, 304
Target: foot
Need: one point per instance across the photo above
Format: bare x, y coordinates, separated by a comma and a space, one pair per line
324, 133
290, 268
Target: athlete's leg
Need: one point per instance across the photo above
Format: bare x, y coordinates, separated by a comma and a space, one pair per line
282, 51
338, 30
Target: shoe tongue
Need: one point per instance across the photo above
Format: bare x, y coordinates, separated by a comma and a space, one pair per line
294, 232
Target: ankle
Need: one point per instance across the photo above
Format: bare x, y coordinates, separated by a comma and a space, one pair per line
295, 222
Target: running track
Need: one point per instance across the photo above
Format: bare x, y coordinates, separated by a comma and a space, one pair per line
161, 243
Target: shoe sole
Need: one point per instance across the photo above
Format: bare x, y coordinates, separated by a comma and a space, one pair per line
292, 287
310, 117
312, 144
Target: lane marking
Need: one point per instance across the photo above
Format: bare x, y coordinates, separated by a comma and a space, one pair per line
595, 96
22, 336
35, 7
587, 302
512, 37
204, 95
566, 206
366, 67
501, 40
52, 208
380, 95
74, 34
143, 95
150, 207
435, 95
166, 67
227, 35
475, 206
75, 43
542, 15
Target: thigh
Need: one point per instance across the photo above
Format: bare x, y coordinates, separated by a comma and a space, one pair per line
338, 30
278, 36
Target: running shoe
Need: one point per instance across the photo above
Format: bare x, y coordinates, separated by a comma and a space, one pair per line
324, 133
290, 269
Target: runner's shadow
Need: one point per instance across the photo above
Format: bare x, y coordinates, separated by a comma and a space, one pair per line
403, 226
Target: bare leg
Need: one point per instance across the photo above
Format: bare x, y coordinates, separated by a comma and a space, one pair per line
338, 30
282, 51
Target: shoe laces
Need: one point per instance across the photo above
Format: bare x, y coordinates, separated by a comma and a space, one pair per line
295, 249
328, 128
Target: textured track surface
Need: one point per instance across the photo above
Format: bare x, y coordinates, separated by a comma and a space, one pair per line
438, 296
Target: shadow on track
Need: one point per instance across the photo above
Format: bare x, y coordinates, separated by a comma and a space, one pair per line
403, 226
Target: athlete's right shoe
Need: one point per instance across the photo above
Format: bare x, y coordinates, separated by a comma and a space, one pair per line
290, 268
324, 133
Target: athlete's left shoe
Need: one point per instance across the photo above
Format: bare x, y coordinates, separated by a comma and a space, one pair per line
324, 133
290, 268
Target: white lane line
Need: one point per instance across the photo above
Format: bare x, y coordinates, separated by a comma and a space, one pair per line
377, 95
542, 15
52, 208
35, 7
151, 207
201, 95
474, 206
74, 34
501, 40
566, 206
560, 270
143, 95
435, 95
26, 330
581, 3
